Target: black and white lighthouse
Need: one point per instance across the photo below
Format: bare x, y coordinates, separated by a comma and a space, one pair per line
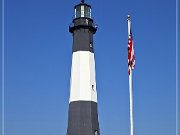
83, 114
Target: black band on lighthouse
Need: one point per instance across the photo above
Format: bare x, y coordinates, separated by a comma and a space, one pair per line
83, 118
83, 40
83, 30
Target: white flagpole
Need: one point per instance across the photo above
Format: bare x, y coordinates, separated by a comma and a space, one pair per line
130, 87
131, 103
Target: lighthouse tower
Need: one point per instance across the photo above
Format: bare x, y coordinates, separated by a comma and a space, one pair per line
83, 114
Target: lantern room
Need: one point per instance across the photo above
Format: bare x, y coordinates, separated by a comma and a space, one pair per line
82, 10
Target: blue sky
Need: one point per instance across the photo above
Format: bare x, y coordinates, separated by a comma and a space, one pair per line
38, 51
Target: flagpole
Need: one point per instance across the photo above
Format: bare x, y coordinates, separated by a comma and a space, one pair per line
130, 85
131, 103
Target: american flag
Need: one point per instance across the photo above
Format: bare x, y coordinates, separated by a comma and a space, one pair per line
131, 55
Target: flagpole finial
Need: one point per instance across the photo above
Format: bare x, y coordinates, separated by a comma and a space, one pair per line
128, 17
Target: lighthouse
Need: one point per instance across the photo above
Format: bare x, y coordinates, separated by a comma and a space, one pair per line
83, 114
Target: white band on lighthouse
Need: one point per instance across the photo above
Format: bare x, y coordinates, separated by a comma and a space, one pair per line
83, 83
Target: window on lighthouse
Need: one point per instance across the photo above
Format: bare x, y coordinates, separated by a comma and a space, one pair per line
92, 87
90, 44
87, 11
82, 10
78, 12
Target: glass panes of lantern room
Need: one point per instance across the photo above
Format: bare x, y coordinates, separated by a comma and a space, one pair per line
82, 11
